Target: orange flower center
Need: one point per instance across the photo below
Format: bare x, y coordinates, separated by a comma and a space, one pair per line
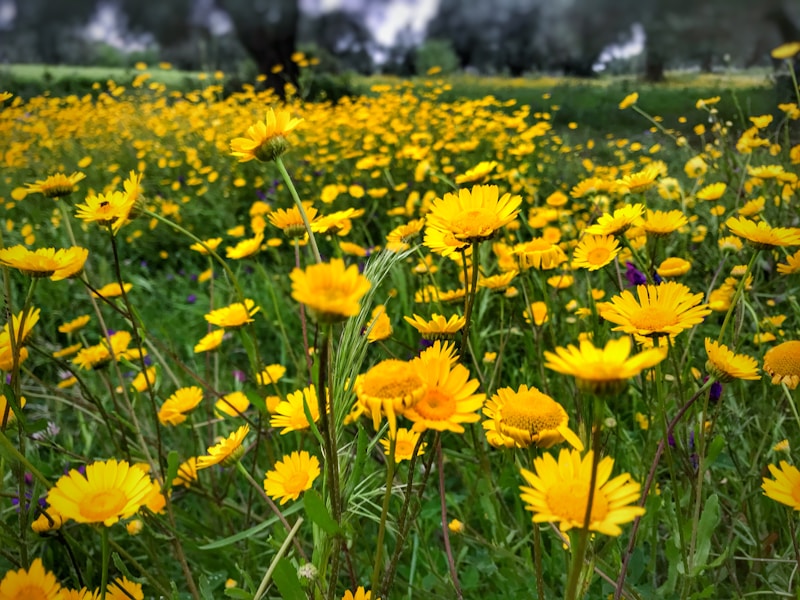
597, 256
391, 379
783, 359
31, 591
436, 406
532, 415
296, 482
653, 318
474, 223
568, 500
103, 504
403, 449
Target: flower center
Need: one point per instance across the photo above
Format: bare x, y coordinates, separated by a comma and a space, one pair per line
403, 449
597, 256
103, 504
783, 359
533, 415
568, 500
435, 406
653, 318
474, 223
391, 379
31, 591
296, 482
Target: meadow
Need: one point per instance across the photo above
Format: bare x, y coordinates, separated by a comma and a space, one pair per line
449, 337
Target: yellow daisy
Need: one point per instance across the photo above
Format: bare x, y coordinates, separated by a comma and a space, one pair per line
673, 267
271, 374
400, 238
558, 492
210, 341
594, 252
786, 51
75, 324
660, 223
182, 401
187, 473
234, 315
291, 222
782, 363
209, 244
110, 210
618, 221
232, 405
111, 490
226, 451
726, 366
640, 181
405, 443
762, 236
265, 140
124, 589
536, 313
22, 328
292, 476
291, 413
360, 594
712, 191
477, 174
245, 248
540, 254
55, 186
45, 262
497, 283
792, 264
389, 388
112, 290
379, 327
438, 327
331, 291
34, 583
81, 594
785, 488
629, 100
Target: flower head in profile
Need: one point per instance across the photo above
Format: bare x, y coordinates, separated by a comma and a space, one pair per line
786, 51
629, 100
226, 451
331, 291
265, 140
181, 402
558, 492
380, 326
290, 414
661, 223
291, 476
75, 324
210, 341
234, 315
22, 326
187, 473
477, 174
112, 290
785, 488
45, 262
594, 252
540, 254
405, 442
245, 248
109, 491
782, 363
602, 370
726, 366
762, 236
81, 594
290, 221
55, 186
359, 594
536, 313
232, 405
674, 266
389, 388
618, 221
438, 327
124, 589
27, 584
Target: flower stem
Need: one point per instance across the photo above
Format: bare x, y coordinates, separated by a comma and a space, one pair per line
290, 184
106, 553
736, 296
387, 496
445, 529
273, 565
471, 292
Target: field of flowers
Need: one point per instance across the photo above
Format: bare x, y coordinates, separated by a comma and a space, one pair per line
395, 347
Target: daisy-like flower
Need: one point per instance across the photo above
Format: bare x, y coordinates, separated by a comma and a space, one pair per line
331, 291
266, 140
782, 363
234, 315
389, 388
673, 267
712, 191
271, 374
629, 100
380, 327
124, 589
477, 174
400, 238
695, 167
182, 401
473, 215
449, 398
497, 283
45, 262
226, 451
785, 488
109, 491
438, 327
660, 223
291, 413
602, 370
762, 236
639, 182
540, 254
75, 324
210, 341
360, 594
35, 582
792, 264
558, 492
110, 209
4, 406
536, 313
528, 416
112, 290
245, 248
291, 222
786, 51
55, 186
726, 366
209, 244
81, 594
233, 404
618, 221
594, 252
339, 223
140, 382
187, 473
292, 476
444, 242
404, 444
22, 328
665, 309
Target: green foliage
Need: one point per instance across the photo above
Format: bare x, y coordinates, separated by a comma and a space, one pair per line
435, 53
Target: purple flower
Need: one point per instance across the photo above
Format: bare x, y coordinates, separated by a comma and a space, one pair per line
716, 392
191, 298
634, 275
240, 376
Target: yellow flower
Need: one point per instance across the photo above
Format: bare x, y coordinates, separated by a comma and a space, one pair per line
292, 476
785, 488
792, 264
109, 491
22, 327
629, 100
187, 473
540, 254
706, 102
45, 262
380, 327
291, 413
110, 210
56, 185
291, 222
497, 283
182, 401
762, 236
124, 589
618, 221
209, 341
559, 493
34, 583
438, 328
405, 443
265, 140
529, 416
245, 248
81, 594
233, 404
455, 526
602, 370
537, 313
726, 366
449, 398
209, 244
142, 378
695, 167
75, 324
786, 51
665, 309
640, 181
360, 593
389, 387
234, 315
712, 191
271, 374
661, 224
330, 291
112, 290
477, 174
594, 252
782, 363
226, 451
673, 267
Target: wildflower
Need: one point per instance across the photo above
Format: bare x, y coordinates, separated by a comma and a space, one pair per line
233, 404
22, 324
55, 186
640, 181
226, 451
112, 290
292, 475
782, 446
380, 327
712, 191
330, 291
390, 387
234, 315
81, 594
792, 264
455, 526
399, 238
634, 275
786, 51
124, 589
209, 244
594, 252
266, 140
760, 235
245, 248
726, 366
182, 401
438, 328
34, 582
111, 490
405, 442
209, 341
539, 253
629, 100
785, 488
291, 413
536, 313
665, 309
529, 416
559, 493
108, 210
660, 223
618, 221
360, 594
695, 167
45, 262
143, 378
782, 363
602, 370
477, 174
74, 325
290, 221
271, 374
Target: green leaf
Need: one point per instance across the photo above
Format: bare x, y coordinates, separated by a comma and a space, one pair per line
714, 449
247, 533
318, 513
238, 593
709, 521
285, 577
173, 463
206, 593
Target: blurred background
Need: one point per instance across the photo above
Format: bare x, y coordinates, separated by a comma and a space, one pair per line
244, 38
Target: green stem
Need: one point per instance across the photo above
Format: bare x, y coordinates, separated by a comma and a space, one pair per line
12, 450
387, 496
471, 292
273, 565
736, 296
106, 549
290, 184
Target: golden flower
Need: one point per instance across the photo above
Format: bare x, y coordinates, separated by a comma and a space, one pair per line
640, 181
56, 185
695, 167
75, 324
629, 100
594, 252
45, 262
438, 328
233, 315
660, 223
330, 291
529, 416
559, 493
540, 254
405, 442
233, 404
361, 593
380, 327
111, 490
292, 476
143, 378
290, 221
455, 526
226, 451
4, 406
399, 238
34, 583
210, 341
110, 210
673, 267
785, 488
338, 223
291, 413
602, 370
390, 387
792, 264
560, 282
536, 313
477, 174
497, 283
209, 244
271, 374
786, 51
48, 520
265, 140
665, 309
782, 363
726, 366
712, 191
22, 324
761, 235
187, 473
112, 290
245, 248
182, 401
618, 221
124, 589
